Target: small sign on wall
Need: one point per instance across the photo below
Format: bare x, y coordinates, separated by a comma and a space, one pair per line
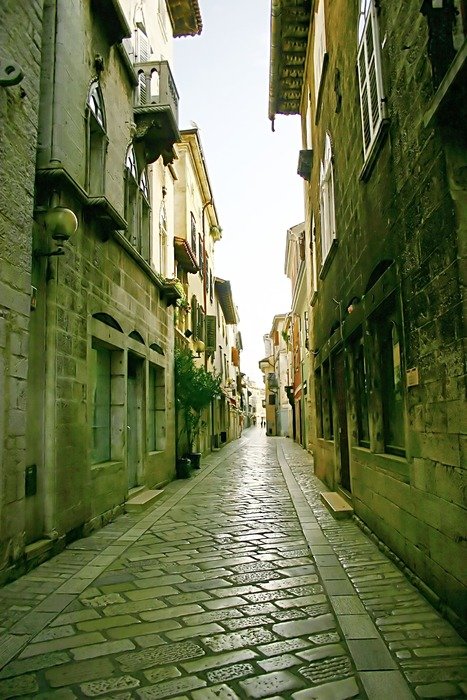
412, 376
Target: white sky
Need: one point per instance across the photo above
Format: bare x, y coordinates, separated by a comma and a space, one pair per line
222, 77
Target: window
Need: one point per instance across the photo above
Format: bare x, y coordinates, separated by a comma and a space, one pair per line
392, 397
156, 408
328, 219
137, 208
163, 239
328, 422
361, 393
96, 141
131, 192
447, 29
372, 103
193, 234
319, 404
200, 255
101, 402
272, 399
144, 215
319, 52
314, 255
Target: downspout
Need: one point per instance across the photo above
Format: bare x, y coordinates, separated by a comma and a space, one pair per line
52, 267
205, 296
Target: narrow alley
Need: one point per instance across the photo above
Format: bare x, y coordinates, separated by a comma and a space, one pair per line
238, 583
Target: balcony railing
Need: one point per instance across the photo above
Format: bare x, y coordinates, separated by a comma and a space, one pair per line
156, 86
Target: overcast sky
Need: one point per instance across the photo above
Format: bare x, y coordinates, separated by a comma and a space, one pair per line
222, 77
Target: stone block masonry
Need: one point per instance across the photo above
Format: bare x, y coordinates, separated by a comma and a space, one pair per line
19, 109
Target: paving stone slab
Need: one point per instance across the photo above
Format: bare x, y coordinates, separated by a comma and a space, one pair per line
79, 672
267, 684
336, 690
93, 689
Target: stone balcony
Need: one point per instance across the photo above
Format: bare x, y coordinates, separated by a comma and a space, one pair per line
155, 112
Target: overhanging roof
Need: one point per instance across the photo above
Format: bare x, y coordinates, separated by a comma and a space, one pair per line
290, 21
224, 294
184, 255
185, 16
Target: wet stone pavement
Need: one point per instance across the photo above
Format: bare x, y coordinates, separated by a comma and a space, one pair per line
238, 583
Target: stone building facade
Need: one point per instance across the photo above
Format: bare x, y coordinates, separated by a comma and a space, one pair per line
19, 114
88, 415
380, 87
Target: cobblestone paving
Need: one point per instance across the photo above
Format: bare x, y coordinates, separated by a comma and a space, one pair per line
237, 584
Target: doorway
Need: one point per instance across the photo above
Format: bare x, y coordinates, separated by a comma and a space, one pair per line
343, 475
135, 415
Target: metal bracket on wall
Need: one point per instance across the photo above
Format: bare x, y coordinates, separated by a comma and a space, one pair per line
10, 73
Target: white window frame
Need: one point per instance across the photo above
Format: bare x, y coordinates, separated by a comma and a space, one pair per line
370, 77
327, 207
319, 51
314, 256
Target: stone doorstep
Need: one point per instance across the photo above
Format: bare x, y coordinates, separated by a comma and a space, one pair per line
37, 549
336, 505
142, 500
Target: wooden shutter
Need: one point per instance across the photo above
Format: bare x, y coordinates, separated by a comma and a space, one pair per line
370, 80
194, 316
142, 88
144, 50
211, 328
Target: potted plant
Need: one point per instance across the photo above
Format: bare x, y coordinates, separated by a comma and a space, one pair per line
195, 388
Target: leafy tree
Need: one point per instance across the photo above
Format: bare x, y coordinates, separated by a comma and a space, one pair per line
195, 388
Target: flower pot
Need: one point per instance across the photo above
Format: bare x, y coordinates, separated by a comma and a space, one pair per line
195, 459
183, 468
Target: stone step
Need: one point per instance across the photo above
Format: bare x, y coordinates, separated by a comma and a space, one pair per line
336, 505
142, 500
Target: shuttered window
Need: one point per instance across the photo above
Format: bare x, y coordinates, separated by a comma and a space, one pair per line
370, 81
194, 316
210, 333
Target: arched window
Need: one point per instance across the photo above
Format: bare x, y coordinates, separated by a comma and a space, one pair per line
370, 81
137, 205
96, 139
328, 218
145, 215
131, 198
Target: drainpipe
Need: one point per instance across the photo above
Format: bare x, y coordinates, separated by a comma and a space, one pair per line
52, 267
206, 204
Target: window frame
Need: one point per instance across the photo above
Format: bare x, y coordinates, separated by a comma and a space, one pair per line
373, 113
327, 203
96, 140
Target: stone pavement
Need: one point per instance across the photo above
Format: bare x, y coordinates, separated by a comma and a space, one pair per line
238, 583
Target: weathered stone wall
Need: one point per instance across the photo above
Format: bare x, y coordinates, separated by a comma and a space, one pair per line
19, 106
405, 212
97, 275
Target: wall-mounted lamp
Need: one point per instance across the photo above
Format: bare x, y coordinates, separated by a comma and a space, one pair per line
61, 223
188, 333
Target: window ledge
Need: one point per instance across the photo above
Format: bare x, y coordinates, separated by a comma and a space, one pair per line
329, 258
106, 465
372, 155
398, 467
